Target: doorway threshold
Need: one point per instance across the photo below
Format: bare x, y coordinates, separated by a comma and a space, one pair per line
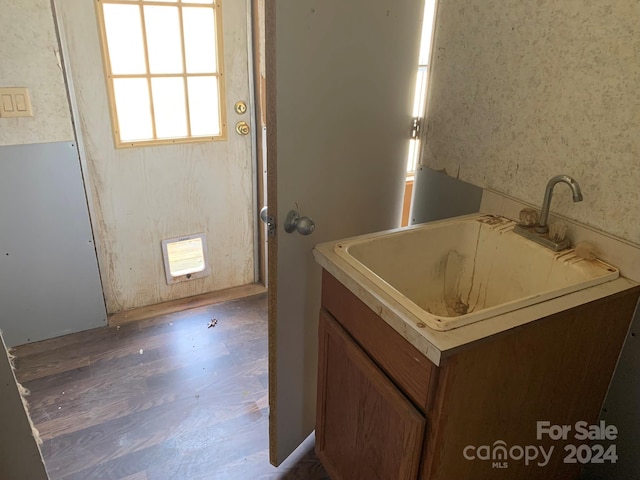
143, 313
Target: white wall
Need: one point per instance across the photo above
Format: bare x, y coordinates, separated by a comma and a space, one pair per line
521, 91
28, 59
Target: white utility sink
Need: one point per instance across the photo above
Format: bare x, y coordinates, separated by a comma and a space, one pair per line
460, 271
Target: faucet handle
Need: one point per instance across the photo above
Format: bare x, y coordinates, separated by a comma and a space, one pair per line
528, 217
558, 231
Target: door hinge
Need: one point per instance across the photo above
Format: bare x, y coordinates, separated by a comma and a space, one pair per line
416, 123
269, 220
271, 226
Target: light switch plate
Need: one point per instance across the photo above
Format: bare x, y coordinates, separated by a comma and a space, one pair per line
15, 102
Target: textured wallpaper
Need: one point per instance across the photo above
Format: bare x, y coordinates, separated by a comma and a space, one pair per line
521, 91
28, 59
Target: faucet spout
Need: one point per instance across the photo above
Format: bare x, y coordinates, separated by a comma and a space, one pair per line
542, 226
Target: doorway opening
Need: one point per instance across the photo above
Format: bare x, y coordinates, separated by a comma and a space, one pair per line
170, 88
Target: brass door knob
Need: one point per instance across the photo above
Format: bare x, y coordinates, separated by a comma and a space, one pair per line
242, 128
240, 107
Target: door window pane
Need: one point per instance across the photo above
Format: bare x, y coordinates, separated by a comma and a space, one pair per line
199, 40
132, 106
169, 107
204, 106
124, 38
163, 39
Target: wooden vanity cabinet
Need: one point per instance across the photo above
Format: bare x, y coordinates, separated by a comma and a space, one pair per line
386, 412
368, 425
369, 429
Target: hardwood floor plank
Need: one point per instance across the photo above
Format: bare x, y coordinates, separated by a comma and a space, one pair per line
115, 439
193, 405
89, 337
146, 418
193, 445
43, 366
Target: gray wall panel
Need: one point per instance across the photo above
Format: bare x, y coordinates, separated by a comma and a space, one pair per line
437, 196
49, 280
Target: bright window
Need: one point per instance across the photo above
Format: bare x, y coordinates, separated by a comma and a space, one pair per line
420, 95
163, 62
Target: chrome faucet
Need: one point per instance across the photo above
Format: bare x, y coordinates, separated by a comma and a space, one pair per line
540, 232
542, 226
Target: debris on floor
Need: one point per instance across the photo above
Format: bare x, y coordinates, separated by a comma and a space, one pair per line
24, 392
212, 323
141, 351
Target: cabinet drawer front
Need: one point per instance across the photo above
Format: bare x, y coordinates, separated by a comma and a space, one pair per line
402, 362
366, 429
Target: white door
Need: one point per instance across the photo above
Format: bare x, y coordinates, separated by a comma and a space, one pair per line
141, 195
340, 78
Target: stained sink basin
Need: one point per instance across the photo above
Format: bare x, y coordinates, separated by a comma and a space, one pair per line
460, 271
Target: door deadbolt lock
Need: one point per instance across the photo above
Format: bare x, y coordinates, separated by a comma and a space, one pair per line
240, 107
242, 128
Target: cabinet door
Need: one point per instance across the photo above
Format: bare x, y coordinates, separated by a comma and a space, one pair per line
366, 429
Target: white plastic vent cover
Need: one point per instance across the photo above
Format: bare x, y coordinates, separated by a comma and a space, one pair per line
185, 258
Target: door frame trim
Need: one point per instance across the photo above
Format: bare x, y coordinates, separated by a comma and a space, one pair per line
272, 250
258, 248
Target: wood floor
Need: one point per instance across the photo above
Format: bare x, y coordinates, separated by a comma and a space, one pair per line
160, 399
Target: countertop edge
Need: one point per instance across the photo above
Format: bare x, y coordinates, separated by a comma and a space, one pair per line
434, 344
